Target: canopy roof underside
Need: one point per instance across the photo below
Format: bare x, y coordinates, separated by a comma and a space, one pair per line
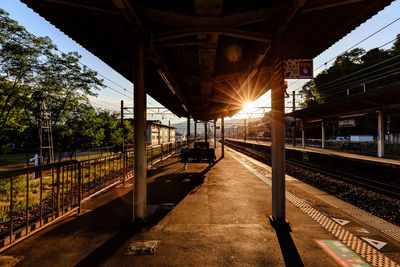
204, 58
385, 98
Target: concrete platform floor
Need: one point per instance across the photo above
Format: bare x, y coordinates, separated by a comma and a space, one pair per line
389, 159
220, 218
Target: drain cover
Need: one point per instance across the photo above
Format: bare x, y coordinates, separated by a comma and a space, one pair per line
143, 247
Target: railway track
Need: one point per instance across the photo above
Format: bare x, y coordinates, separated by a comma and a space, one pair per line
374, 185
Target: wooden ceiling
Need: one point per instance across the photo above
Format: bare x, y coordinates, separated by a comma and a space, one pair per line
204, 58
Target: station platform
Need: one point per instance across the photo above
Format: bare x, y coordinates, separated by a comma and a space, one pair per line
332, 152
214, 216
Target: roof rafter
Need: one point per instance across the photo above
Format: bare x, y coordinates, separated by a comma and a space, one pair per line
175, 19
231, 32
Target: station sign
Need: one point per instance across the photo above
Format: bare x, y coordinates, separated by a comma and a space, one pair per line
298, 69
347, 123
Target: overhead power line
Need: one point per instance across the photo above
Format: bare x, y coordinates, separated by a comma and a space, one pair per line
363, 40
366, 81
359, 71
368, 67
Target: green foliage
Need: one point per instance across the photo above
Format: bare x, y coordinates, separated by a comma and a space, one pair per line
28, 64
348, 73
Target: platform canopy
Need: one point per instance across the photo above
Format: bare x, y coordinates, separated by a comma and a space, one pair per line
384, 98
204, 58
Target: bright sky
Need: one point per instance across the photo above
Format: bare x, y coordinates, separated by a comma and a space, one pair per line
109, 99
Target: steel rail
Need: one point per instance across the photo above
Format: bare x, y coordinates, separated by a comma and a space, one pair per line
384, 188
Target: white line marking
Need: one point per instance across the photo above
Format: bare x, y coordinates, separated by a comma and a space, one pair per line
341, 221
376, 243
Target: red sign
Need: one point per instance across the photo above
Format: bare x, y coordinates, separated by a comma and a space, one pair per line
298, 69
305, 68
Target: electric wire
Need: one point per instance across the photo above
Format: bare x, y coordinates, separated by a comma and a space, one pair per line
363, 40
391, 41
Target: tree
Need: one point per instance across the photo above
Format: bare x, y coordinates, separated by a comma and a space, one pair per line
29, 63
350, 71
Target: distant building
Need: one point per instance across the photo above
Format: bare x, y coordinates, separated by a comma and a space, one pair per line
158, 133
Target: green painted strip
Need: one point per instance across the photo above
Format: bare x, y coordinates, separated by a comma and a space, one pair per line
342, 254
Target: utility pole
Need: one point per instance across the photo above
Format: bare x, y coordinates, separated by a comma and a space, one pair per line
122, 126
45, 132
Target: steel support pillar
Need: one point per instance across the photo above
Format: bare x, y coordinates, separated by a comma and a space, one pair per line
205, 131
322, 134
278, 135
188, 132
195, 130
140, 189
222, 137
215, 134
381, 135
303, 138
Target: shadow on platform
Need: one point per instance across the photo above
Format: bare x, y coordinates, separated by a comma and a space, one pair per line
168, 188
290, 253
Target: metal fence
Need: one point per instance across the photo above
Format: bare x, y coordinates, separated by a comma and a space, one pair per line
33, 197
367, 148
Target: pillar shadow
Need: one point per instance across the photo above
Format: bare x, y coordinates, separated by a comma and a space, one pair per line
290, 253
168, 188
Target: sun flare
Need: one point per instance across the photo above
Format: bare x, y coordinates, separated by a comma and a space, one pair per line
249, 107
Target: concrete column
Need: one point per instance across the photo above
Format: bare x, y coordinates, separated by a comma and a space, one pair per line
139, 192
215, 134
205, 131
278, 135
188, 132
303, 139
222, 137
322, 134
381, 135
195, 130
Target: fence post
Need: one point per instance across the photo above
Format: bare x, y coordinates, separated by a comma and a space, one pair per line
161, 155
152, 155
11, 207
58, 190
123, 156
79, 186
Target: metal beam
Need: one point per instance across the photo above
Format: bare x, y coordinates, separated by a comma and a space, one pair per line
313, 9
215, 134
322, 135
381, 135
231, 32
175, 19
93, 8
205, 131
188, 132
140, 187
223, 136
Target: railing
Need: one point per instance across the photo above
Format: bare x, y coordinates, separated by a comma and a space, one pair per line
159, 152
32, 197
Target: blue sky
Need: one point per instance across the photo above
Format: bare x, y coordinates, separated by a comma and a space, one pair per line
109, 99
